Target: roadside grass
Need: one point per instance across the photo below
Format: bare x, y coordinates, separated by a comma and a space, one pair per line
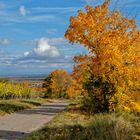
74, 124
14, 105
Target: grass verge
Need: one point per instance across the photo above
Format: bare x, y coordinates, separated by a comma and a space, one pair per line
74, 124
11, 106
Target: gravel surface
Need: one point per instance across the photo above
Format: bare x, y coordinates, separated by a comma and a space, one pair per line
20, 124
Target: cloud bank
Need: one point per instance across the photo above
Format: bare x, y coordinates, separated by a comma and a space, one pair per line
42, 51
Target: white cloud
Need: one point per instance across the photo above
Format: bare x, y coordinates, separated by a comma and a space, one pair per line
52, 41
6, 18
35, 14
45, 49
6, 58
47, 52
5, 41
26, 53
22, 11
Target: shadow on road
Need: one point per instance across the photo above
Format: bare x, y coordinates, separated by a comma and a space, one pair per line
49, 110
28, 120
11, 135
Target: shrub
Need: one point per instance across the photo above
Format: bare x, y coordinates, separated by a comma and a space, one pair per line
99, 92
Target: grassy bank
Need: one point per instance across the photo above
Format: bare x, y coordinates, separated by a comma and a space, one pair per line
74, 124
13, 105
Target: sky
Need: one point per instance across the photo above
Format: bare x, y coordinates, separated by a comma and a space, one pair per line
32, 34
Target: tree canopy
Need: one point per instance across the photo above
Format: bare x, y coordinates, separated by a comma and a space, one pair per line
113, 42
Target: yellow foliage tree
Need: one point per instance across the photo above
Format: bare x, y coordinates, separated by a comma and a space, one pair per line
57, 83
113, 41
80, 67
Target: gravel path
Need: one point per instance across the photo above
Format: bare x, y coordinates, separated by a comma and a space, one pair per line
18, 125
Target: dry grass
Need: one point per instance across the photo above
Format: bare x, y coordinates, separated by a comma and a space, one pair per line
75, 125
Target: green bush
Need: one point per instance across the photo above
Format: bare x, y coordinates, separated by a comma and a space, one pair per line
98, 92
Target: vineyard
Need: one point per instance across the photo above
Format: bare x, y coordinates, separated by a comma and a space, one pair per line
23, 90
19, 96
8, 90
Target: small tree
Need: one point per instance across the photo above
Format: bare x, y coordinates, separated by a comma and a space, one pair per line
57, 83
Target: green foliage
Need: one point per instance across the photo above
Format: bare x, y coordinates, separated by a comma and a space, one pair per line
98, 92
46, 83
11, 106
6, 107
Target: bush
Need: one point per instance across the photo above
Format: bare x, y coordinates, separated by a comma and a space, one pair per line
98, 93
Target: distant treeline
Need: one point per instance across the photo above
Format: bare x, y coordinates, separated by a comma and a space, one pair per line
4, 79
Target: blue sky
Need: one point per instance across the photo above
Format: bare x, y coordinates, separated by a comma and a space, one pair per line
32, 34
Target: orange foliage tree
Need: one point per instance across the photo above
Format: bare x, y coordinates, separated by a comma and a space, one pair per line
57, 83
81, 64
113, 42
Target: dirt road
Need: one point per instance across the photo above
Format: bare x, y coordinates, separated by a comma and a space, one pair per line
18, 125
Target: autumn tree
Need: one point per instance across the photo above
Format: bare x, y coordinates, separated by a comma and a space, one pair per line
74, 89
113, 42
57, 83
80, 66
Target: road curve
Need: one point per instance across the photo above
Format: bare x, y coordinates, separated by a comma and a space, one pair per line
18, 125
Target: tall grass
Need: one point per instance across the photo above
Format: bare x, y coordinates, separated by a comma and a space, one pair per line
109, 127
102, 127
